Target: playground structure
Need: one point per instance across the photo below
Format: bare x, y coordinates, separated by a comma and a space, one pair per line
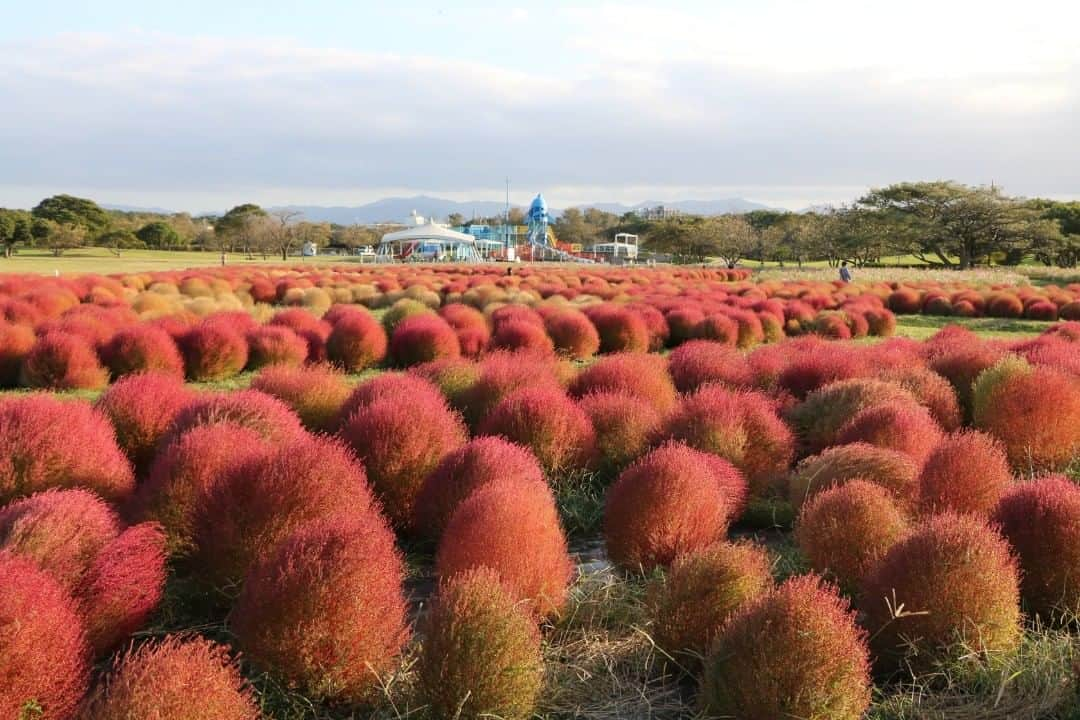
427, 241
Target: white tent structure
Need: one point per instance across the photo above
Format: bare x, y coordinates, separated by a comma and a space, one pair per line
427, 241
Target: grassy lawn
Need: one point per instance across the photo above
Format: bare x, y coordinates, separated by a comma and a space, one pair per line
921, 327
104, 261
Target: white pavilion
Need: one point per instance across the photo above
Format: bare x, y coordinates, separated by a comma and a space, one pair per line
426, 241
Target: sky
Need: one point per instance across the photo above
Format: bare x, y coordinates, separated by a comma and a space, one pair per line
199, 106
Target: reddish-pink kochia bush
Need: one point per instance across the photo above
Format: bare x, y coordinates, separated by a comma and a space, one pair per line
315, 393
549, 423
624, 425
60, 530
641, 374
500, 374
481, 655
845, 530
123, 586
453, 377
213, 350
314, 331
471, 327
719, 328
700, 593
906, 301
399, 386
62, 362
176, 677
515, 313
819, 418
932, 391
16, 341
466, 469
967, 473
268, 496
423, 338
46, 442
275, 345
819, 366
1004, 305
892, 470
961, 363
881, 321
949, 587
620, 330
141, 408
902, 426
44, 659
142, 348
699, 362
266, 415
513, 528
667, 503
1041, 310
184, 471
1041, 521
573, 334
324, 610
682, 324
356, 343
831, 325
795, 651
522, 335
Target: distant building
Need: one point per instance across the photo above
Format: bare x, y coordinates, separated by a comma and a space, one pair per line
660, 212
309, 249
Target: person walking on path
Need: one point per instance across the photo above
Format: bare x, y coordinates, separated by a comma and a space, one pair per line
845, 272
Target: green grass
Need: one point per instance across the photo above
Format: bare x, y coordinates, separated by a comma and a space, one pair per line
105, 261
921, 327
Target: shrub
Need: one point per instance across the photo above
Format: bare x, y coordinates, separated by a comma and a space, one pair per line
513, 528
174, 678
481, 653
1041, 310
640, 374
966, 473
620, 330
466, 469
682, 324
845, 530
264, 414
905, 301
547, 422
400, 310
816, 368
949, 587
902, 426
794, 652
667, 503
43, 655
315, 393
892, 470
184, 471
142, 348
572, 334
423, 338
932, 391
471, 327
16, 341
819, 418
961, 364
312, 330
123, 586
522, 335
1004, 305
499, 375
739, 425
699, 362
356, 343
718, 327
1041, 521
275, 345
624, 425
325, 610
213, 351
62, 362
701, 592
268, 496
141, 409
454, 377
45, 442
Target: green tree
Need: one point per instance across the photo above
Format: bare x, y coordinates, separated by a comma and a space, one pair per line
159, 235
14, 229
238, 228
70, 210
59, 237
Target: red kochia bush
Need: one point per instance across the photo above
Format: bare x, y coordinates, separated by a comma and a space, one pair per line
902, 426
669, 502
481, 653
620, 330
825, 668
266, 497
356, 343
844, 531
957, 583
403, 387
932, 391
624, 425
177, 677
961, 364
818, 366
311, 329
123, 586
641, 374
547, 422
213, 350
1041, 521
573, 333
513, 528
141, 408
500, 374
966, 472
62, 362
698, 362
275, 345
701, 592
464, 470
264, 414
719, 328
892, 470
522, 335
315, 393
739, 425
423, 338
325, 610
470, 325
142, 348
44, 661
45, 442
16, 341
819, 418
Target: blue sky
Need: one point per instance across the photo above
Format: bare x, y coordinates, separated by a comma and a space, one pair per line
201, 105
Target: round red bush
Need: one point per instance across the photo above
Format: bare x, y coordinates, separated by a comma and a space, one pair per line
356, 343
1041, 310
846, 530
718, 327
902, 426
141, 408
961, 364
966, 473
698, 362
324, 610
44, 660
423, 338
275, 345
1004, 305
669, 502
682, 324
266, 415
46, 442
466, 469
825, 668
513, 528
315, 393
958, 586
572, 334
62, 362
640, 374
932, 391
174, 678
820, 417
905, 301
142, 348
312, 330
523, 335
501, 374
818, 367
624, 425
16, 341
892, 470
213, 350
620, 330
